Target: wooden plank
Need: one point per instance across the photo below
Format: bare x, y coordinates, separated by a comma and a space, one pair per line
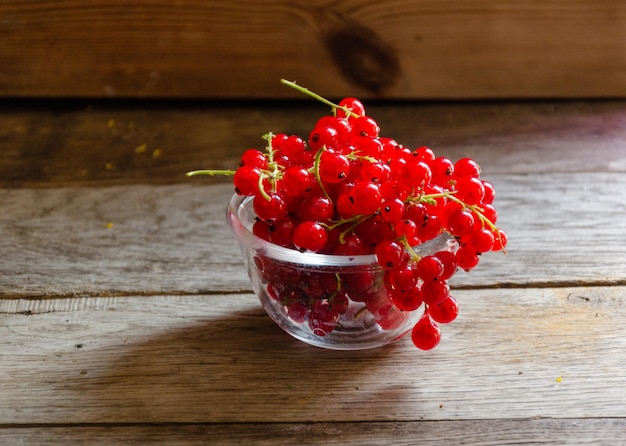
604, 431
143, 143
511, 354
563, 228
404, 49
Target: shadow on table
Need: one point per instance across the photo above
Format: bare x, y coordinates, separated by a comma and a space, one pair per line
239, 368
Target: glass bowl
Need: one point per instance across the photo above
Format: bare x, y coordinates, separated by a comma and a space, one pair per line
330, 301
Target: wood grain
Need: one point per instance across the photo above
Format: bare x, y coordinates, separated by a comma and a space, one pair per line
211, 359
100, 143
402, 49
585, 431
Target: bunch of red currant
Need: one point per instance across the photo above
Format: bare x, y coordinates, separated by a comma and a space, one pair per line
346, 190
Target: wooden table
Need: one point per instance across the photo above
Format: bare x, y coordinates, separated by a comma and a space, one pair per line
126, 315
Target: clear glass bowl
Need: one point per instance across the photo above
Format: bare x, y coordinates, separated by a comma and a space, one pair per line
329, 301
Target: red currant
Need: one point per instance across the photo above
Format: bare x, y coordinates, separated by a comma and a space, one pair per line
310, 235
268, 209
426, 334
445, 311
354, 105
466, 167
333, 167
430, 268
389, 253
435, 291
246, 180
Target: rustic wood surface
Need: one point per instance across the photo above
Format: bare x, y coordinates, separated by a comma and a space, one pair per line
126, 316
240, 48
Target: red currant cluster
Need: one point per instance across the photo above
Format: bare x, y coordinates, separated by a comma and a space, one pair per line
348, 191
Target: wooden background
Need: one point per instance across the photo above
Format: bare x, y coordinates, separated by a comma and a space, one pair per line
370, 48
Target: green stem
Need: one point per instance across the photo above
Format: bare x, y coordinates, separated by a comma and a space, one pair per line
316, 170
212, 173
476, 211
409, 248
316, 96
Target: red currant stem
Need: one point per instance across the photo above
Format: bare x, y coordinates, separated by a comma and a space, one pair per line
476, 210
360, 312
409, 248
316, 170
262, 189
322, 99
353, 156
211, 172
269, 149
273, 172
337, 288
356, 220
430, 198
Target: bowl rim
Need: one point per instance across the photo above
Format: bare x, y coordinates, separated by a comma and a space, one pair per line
241, 228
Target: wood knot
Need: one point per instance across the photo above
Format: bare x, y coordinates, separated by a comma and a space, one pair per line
362, 56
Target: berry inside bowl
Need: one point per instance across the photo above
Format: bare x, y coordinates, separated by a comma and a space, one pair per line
339, 302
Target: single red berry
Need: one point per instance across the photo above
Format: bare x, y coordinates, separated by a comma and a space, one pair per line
424, 153
261, 229
268, 209
500, 240
296, 181
408, 229
297, 151
365, 126
333, 167
351, 245
402, 277
375, 172
354, 105
317, 208
365, 197
435, 291
470, 190
281, 231
450, 265
322, 318
466, 167
339, 302
467, 258
254, 158
389, 253
442, 170
490, 212
429, 268
406, 300
430, 229
490, 193
481, 240
392, 210
417, 174
373, 231
323, 136
246, 180
445, 311
297, 311
310, 235
341, 125
370, 147
426, 334
461, 222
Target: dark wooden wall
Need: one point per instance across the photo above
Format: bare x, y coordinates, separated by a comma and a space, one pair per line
371, 48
